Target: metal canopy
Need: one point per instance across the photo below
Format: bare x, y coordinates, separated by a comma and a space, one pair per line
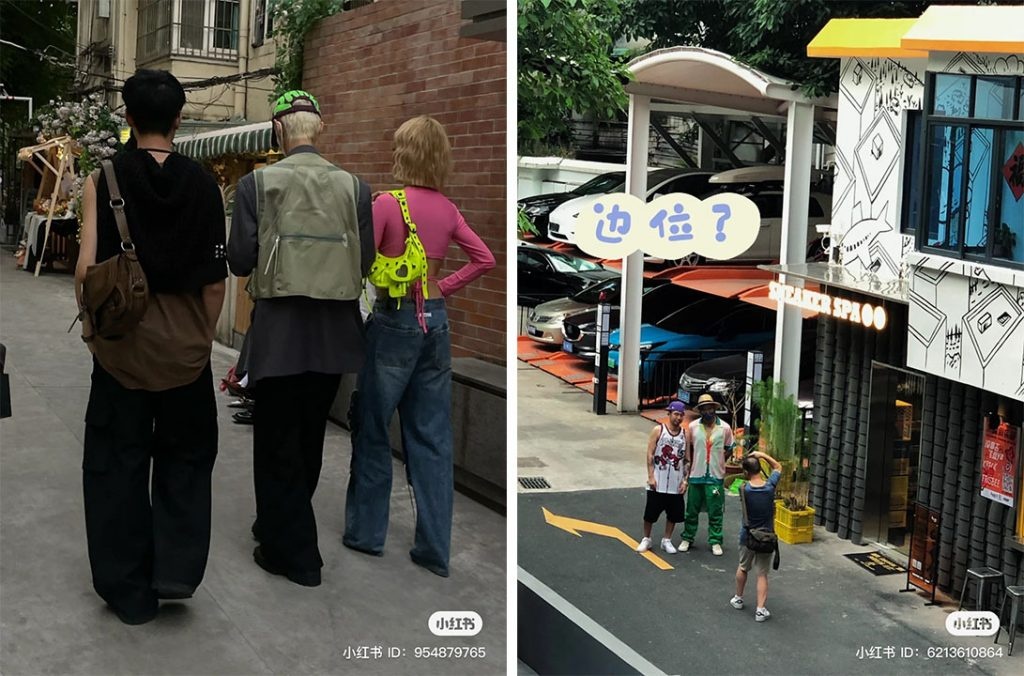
705, 81
714, 83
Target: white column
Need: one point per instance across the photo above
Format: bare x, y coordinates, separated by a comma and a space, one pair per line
796, 194
633, 266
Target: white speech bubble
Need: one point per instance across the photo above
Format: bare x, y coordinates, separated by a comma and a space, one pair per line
720, 227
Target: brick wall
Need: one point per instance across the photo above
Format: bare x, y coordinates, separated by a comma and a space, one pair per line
374, 67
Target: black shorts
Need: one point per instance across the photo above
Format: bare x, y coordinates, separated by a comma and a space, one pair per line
672, 504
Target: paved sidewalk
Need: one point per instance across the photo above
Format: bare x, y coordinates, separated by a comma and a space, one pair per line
825, 608
242, 620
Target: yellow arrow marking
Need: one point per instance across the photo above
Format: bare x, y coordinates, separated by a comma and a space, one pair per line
573, 526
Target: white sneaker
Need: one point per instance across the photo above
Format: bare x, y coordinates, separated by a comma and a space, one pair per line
762, 614
645, 544
736, 602
684, 546
716, 549
666, 544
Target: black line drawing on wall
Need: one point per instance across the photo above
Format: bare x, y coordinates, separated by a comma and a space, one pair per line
856, 83
899, 88
979, 287
844, 180
925, 327
1020, 390
866, 164
877, 152
860, 240
954, 348
990, 323
961, 297
967, 63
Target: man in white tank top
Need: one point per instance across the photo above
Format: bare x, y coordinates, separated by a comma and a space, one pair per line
666, 477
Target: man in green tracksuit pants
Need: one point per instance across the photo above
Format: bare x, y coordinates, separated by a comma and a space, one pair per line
711, 443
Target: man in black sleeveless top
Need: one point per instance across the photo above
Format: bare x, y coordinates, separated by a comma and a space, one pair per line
151, 422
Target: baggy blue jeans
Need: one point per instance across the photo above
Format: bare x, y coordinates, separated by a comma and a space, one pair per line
408, 370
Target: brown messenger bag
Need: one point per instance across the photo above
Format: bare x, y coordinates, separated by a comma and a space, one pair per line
115, 293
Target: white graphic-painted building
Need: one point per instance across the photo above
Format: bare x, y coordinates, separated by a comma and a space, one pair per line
921, 420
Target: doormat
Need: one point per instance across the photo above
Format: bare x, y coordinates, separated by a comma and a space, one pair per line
876, 563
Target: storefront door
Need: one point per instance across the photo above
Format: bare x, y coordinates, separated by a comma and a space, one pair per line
894, 451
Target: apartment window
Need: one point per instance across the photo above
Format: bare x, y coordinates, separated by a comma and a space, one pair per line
262, 21
154, 37
225, 24
972, 197
205, 28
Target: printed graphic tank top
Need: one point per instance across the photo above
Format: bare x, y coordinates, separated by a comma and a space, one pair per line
669, 460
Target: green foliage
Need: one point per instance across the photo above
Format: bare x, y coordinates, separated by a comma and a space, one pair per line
47, 28
565, 65
767, 34
293, 20
779, 417
524, 224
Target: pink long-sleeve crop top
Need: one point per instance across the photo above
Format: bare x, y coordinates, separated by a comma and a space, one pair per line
438, 224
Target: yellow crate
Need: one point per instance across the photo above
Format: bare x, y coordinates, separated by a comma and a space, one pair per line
793, 536
793, 519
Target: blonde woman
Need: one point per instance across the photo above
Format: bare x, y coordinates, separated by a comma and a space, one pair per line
408, 365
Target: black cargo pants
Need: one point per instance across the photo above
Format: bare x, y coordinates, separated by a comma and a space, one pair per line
147, 468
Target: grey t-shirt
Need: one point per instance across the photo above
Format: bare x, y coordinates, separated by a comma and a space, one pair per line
296, 335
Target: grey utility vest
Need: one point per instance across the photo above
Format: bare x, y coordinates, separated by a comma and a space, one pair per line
308, 231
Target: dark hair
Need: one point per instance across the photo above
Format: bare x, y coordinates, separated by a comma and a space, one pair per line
751, 465
153, 98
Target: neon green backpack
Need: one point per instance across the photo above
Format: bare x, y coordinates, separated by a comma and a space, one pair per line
396, 273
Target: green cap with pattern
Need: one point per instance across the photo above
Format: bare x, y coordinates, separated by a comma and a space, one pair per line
295, 101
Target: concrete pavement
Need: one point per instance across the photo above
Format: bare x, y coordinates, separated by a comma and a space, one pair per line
241, 620
825, 608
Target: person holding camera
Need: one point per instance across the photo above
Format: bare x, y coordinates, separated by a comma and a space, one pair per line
758, 496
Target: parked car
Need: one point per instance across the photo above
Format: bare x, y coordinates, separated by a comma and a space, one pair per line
660, 297
538, 207
726, 377
544, 274
763, 185
659, 182
709, 327
544, 323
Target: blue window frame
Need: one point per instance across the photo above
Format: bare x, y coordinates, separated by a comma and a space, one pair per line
971, 176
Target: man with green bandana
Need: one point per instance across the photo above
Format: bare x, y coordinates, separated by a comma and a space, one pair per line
711, 444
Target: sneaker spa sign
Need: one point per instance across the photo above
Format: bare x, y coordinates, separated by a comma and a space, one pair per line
841, 308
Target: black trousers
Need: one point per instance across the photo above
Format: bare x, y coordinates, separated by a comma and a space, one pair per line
288, 445
146, 474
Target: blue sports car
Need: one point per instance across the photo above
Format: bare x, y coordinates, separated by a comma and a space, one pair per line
701, 330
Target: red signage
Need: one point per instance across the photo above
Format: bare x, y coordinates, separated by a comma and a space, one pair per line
1013, 171
999, 463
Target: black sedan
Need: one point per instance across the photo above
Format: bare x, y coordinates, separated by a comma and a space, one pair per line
539, 207
725, 377
544, 274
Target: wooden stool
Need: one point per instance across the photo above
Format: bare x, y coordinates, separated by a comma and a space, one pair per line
985, 576
1015, 594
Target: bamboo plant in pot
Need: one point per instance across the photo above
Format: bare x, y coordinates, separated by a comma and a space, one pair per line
778, 437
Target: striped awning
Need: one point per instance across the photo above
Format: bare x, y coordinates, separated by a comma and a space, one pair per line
250, 139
